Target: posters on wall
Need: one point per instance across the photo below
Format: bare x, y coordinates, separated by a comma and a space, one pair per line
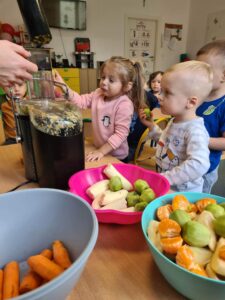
140, 42
172, 35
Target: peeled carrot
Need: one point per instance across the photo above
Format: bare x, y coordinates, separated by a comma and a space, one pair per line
11, 280
32, 280
44, 267
1, 283
61, 255
47, 253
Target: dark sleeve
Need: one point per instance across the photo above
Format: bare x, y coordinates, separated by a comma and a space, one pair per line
134, 136
151, 100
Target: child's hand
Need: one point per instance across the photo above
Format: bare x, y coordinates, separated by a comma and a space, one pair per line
94, 155
146, 120
57, 77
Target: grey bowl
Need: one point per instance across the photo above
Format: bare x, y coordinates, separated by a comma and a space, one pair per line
30, 220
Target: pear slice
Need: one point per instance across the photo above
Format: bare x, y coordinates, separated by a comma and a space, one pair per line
154, 235
206, 218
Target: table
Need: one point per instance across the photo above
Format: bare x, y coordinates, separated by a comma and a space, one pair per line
120, 267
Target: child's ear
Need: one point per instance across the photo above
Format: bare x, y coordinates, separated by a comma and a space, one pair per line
128, 87
192, 101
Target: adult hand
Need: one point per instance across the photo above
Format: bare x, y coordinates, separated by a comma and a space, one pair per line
14, 66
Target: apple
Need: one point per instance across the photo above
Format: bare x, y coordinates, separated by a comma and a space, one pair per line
147, 112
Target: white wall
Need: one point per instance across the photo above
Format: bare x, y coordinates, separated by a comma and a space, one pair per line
106, 22
198, 22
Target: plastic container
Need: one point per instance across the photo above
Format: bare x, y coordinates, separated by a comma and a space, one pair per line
192, 286
30, 220
58, 142
80, 181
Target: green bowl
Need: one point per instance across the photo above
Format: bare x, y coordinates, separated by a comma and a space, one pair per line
188, 284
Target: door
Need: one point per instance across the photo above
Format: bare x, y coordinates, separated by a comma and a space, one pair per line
140, 42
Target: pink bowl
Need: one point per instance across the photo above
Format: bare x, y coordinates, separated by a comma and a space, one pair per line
80, 181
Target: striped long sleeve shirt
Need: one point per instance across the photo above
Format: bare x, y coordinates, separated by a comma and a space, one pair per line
182, 154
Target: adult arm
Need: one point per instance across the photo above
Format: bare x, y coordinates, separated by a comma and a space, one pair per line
14, 66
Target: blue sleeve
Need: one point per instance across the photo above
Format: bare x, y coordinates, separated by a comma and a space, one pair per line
222, 120
151, 100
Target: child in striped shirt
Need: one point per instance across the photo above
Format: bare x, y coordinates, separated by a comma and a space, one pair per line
182, 154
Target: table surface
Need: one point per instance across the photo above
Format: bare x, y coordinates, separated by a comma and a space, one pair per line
120, 267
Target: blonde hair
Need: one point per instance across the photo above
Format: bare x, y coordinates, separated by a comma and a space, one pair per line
215, 48
200, 76
129, 71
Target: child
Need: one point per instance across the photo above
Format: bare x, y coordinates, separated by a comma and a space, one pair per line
112, 106
154, 85
20, 91
182, 153
213, 109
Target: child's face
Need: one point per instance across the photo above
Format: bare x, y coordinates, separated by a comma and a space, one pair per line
110, 83
156, 84
18, 90
174, 97
217, 64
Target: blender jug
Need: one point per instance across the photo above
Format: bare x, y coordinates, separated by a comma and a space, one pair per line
57, 134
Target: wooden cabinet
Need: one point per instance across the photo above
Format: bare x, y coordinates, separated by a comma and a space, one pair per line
82, 81
88, 80
71, 76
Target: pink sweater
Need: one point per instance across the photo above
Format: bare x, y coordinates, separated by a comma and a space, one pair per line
110, 120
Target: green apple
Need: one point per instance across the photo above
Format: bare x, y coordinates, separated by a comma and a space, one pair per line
147, 112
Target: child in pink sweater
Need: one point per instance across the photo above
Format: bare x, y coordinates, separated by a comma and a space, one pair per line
112, 106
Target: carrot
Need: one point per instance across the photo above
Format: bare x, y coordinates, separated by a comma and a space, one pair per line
47, 253
32, 280
11, 280
61, 255
1, 283
44, 267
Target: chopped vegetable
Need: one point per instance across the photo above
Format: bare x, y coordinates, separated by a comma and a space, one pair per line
110, 171
140, 185
118, 205
115, 184
147, 195
196, 234
219, 225
180, 216
61, 255
215, 209
97, 188
109, 196
44, 267
140, 206
132, 199
11, 280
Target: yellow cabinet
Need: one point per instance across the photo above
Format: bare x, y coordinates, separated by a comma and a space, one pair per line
71, 76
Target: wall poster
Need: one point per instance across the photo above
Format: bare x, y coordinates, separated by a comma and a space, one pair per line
140, 41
